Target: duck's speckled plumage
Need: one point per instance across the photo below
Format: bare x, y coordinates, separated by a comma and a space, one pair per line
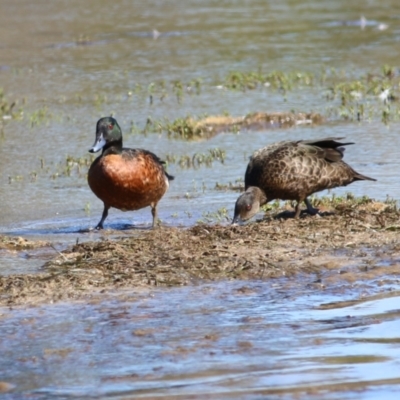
126, 179
293, 170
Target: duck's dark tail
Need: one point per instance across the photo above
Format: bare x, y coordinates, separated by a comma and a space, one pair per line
329, 148
327, 143
171, 178
359, 177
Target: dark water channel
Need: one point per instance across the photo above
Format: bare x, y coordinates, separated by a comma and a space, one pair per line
68, 63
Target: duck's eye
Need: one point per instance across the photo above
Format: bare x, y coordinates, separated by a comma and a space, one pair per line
248, 207
110, 126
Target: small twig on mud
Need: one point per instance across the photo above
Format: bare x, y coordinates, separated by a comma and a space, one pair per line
61, 254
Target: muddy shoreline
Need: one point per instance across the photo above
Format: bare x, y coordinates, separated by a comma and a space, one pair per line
352, 240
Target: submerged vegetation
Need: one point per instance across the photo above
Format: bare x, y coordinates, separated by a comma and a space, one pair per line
277, 80
7, 108
345, 96
200, 128
197, 159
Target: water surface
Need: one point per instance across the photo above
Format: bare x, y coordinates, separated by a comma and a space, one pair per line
74, 63
226, 340
68, 63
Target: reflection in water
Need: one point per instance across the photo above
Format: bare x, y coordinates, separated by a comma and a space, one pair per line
227, 339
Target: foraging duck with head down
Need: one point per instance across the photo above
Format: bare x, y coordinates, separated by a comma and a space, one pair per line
293, 170
127, 179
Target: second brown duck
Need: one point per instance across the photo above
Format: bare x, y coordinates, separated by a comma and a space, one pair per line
293, 170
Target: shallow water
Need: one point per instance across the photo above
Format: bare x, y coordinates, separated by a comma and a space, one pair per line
226, 340
73, 64
68, 64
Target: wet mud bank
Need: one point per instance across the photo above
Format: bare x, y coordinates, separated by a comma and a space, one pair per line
351, 241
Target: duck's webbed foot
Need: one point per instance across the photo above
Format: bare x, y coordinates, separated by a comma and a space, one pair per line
310, 209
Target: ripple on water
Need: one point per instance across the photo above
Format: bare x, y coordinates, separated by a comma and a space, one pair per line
228, 339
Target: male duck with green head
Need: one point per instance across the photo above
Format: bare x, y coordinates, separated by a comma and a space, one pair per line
127, 179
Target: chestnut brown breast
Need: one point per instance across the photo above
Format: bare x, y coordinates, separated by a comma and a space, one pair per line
128, 181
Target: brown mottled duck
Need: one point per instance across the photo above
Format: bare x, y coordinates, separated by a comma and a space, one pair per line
293, 170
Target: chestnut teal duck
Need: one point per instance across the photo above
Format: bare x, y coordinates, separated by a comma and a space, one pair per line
293, 170
126, 179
